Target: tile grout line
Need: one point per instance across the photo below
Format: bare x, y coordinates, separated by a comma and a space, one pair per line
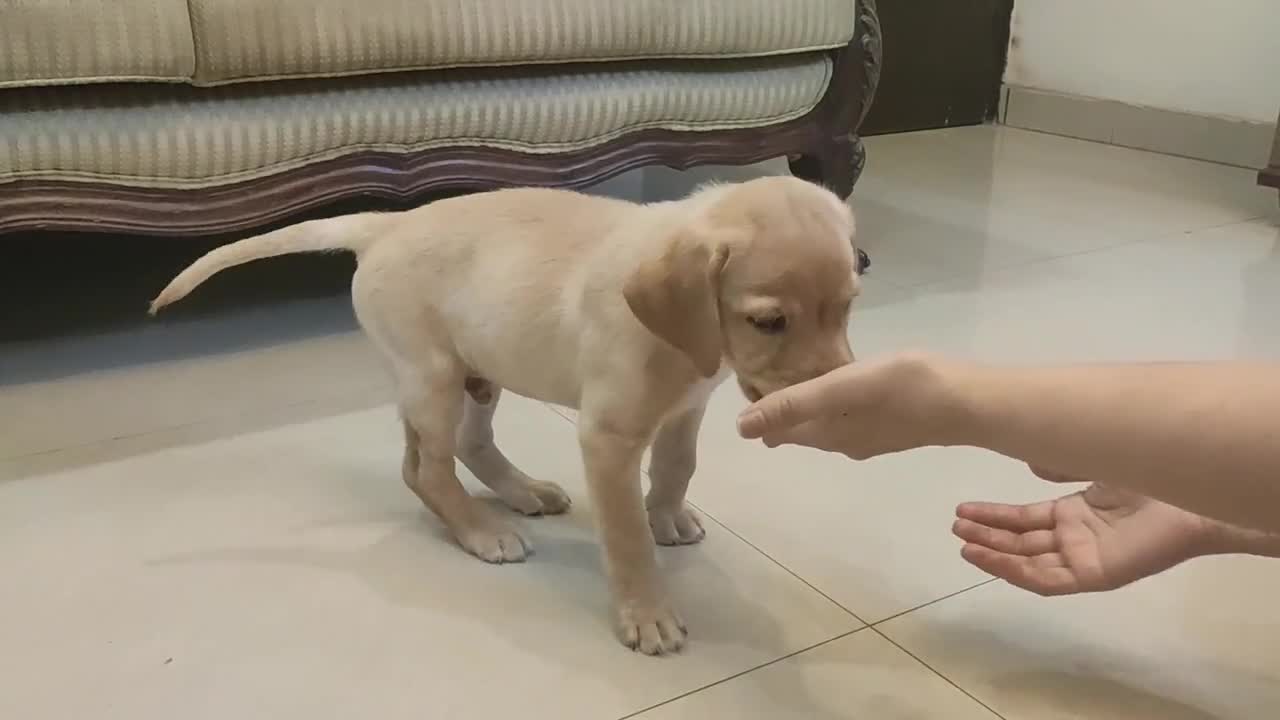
1111, 143
872, 627
934, 670
935, 601
749, 670
775, 561
997, 271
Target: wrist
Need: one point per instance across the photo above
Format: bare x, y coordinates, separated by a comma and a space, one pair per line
987, 406
1225, 539
941, 398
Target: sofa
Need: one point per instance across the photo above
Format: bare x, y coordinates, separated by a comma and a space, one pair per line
193, 117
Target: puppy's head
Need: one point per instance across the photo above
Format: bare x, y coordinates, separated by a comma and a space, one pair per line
761, 278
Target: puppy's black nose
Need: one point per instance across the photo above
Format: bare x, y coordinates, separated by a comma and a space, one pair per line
863, 262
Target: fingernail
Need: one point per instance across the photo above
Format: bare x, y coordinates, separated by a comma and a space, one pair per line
749, 422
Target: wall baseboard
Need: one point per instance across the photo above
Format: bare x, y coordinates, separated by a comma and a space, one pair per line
1203, 137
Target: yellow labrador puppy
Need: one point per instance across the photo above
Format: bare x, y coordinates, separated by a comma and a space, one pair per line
630, 313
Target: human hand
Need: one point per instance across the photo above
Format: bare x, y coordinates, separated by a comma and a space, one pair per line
862, 410
1093, 540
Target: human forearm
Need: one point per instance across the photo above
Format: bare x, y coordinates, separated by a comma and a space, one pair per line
1226, 539
1205, 437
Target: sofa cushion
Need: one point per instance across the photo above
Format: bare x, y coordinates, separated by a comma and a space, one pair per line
267, 39
184, 137
50, 42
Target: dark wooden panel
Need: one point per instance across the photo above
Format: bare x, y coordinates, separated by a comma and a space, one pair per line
1270, 177
943, 63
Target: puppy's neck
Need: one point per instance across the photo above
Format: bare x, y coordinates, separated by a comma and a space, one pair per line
691, 210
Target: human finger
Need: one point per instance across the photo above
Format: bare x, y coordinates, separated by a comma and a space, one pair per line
788, 407
1035, 542
1021, 571
1018, 518
814, 433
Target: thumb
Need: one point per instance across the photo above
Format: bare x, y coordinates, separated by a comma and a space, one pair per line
809, 433
786, 408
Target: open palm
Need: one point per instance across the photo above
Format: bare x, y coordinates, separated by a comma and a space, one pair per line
1096, 539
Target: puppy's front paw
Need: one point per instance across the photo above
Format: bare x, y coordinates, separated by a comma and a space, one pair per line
676, 526
651, 628
495, 541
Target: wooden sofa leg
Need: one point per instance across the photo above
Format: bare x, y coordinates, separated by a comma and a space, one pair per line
836, 166
836, 156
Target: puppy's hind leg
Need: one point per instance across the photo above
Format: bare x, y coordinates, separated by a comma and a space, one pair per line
431, 406
477, 450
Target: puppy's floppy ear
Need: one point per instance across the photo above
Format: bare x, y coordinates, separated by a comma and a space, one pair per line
676, 296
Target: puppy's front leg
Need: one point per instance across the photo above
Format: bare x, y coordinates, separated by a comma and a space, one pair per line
611, 456
671, 465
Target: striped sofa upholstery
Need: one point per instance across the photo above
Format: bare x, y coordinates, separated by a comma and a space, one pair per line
256, 39
187, 137
182, 95
61, 42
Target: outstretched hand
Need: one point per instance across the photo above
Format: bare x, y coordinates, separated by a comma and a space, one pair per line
861, 410
1097, 539
1100, 538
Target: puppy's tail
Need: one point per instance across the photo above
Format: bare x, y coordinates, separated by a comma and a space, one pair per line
351, 232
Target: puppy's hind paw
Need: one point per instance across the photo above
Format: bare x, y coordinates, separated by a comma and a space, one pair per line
534, 497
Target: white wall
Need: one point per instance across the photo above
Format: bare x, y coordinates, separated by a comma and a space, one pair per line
1209, 57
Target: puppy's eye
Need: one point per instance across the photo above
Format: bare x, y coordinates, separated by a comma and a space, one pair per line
770, 325
863, 263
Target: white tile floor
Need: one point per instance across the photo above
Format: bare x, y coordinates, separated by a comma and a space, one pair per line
202, 534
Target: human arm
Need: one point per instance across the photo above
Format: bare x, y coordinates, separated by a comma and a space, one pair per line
1225, 539
1201, 436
